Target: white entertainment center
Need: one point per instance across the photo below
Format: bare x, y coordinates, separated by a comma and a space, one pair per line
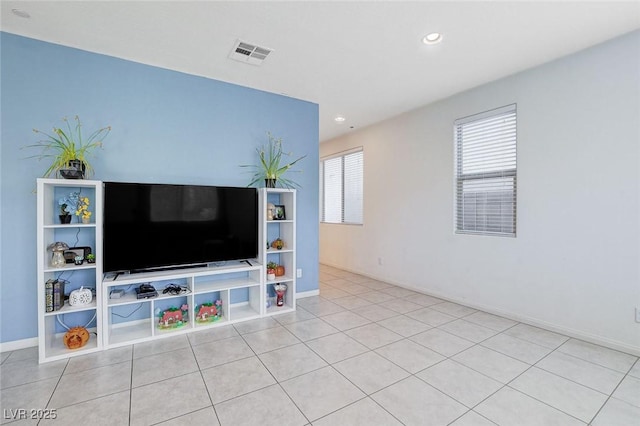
239, 289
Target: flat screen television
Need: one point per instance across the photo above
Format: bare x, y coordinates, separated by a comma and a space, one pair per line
161, 226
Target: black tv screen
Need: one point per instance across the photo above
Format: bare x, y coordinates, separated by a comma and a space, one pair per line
157, 226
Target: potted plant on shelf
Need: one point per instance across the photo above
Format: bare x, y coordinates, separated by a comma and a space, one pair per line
68, 149
271, 168
68, 205
271, 270
91, 258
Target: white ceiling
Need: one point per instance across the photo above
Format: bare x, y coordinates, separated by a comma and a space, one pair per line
362, 60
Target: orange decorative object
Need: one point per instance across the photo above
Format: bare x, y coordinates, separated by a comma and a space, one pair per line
76, 337
279, 271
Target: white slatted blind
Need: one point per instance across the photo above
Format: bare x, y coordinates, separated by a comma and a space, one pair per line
486, 172
341, 188
332, 206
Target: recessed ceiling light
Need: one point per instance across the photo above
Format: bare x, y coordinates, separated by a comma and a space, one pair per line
432, 38
339, 119
20, 13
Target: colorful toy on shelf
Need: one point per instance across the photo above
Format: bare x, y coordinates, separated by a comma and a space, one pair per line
173, 317
209, 312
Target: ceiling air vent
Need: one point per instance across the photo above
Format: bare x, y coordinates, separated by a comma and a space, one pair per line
249, 53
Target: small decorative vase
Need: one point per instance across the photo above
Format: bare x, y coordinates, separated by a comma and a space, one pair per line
75, 170
271, 275
270, 183
86, 220
280, 290
65, 218
279, 271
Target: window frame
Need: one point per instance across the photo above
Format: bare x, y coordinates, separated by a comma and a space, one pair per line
341, 155
489, 179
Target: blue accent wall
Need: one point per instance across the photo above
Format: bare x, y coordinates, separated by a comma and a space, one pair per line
168, 127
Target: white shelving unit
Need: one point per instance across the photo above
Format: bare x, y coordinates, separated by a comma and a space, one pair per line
131, 320
242, 287
286, 230
75, 234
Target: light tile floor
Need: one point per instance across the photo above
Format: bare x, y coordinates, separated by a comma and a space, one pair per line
362, 353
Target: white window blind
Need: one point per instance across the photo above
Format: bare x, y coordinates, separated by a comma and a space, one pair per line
341, 188
486, 172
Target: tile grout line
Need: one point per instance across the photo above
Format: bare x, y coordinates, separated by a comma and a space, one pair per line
479, 344
274, 378
203, 382
614, 391
368, 350
403, 369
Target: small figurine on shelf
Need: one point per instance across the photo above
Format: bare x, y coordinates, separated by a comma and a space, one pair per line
277, 244
57, 258
76, 337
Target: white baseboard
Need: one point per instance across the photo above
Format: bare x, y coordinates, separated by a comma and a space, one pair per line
18, 344
591, 338
309, 293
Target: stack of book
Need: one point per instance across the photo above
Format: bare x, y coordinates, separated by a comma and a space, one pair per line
54, 294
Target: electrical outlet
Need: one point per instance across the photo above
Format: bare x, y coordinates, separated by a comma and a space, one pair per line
299, 273
637, 314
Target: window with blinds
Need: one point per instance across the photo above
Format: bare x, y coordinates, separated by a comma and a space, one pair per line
341, 187
486, 173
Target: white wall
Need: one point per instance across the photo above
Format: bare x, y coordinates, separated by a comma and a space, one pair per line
574, 264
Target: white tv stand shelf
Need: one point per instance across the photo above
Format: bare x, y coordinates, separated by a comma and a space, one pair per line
237, 284
243, 288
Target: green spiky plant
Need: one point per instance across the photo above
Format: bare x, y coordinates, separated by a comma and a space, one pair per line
68, 144
271, 165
